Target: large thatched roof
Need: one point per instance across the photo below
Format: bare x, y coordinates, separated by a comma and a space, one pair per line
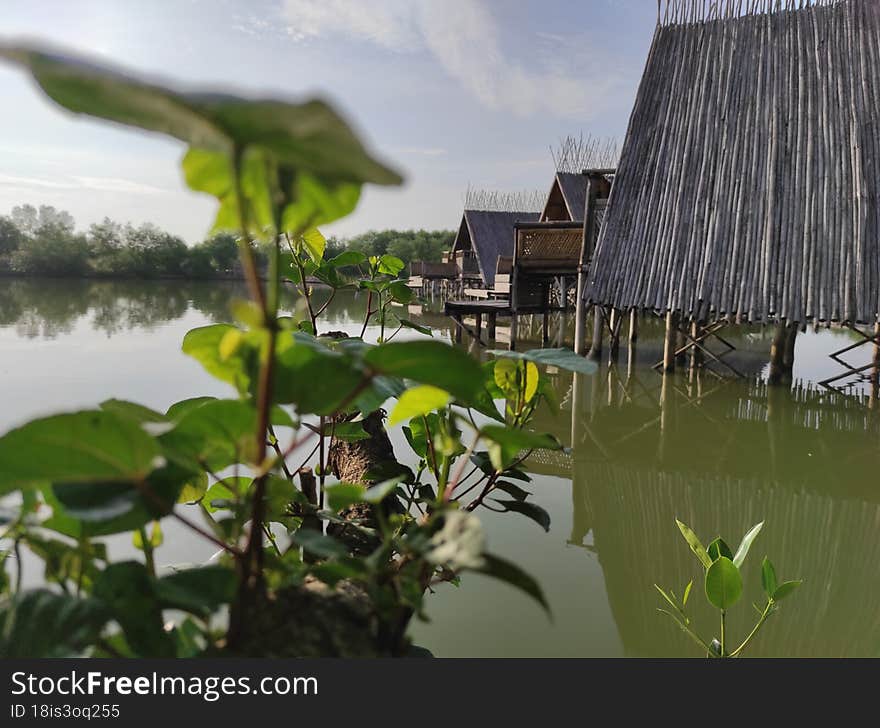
748, 181
489, 233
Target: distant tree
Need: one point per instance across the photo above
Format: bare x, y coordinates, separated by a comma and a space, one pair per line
10, 236
29, 219
53, 250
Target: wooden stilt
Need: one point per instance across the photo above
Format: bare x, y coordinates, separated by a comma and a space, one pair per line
633, 325
875, 370
514, 325
478, 327
598, 330
580, 317
545, 328
777, 354
614, 323
669, 341
458, 328
490, 326
788, 356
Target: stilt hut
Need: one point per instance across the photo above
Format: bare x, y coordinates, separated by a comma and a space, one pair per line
748, 180
485, 233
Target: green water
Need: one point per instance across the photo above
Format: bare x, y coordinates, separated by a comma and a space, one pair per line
720, 454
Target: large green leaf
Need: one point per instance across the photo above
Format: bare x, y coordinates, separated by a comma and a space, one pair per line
308, 136
41, 623
314, 377
101, 508
130, 595
215, 435
786, 588
418, 401
429, 362
724, 583
80, 447
201, 590
235, 367
560, 358
507, 443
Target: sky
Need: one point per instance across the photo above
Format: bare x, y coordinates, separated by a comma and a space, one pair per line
452, 93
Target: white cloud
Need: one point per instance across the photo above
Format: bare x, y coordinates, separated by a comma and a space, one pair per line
97, 184
463, 38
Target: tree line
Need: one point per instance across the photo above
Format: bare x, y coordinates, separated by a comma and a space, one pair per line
45, 241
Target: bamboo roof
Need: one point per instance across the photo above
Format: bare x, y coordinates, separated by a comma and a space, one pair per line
748, 180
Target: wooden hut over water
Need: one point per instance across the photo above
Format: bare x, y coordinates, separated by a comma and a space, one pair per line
748, 181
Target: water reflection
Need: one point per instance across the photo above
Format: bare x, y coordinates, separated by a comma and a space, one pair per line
722, 456
719, 454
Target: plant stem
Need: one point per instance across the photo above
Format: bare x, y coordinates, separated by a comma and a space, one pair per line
723, 635
761, 620
369, 313
147, 544
249, 267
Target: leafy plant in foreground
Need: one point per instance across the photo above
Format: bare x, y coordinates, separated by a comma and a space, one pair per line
723, 585
325, 543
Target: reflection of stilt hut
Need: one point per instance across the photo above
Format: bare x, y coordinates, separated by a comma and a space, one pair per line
748, 181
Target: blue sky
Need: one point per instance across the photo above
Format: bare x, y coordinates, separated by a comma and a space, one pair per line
452, 92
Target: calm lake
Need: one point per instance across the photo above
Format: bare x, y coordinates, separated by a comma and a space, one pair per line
720, 454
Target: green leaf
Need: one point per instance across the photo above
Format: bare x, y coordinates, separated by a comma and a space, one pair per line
390, 265
308, 136
786, 588
342, 495
418, 401
320, 545
512, 490
719, 548
179, 409
155, 537
80, 447
377, 493
204, 345
226, 493
314, 243
560, 358
314, 377
530, 510
41, 623
429, 362
348, 259
768, 577
510, 573
407, 324
201, 591
687, 593
128, 591
508, 443
723, 583
101, 508
350, 431
132, 411
695, 544
215, 435
746, 544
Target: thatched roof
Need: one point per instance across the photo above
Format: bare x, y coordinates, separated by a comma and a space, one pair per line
567, 198
489, 233
748, 180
